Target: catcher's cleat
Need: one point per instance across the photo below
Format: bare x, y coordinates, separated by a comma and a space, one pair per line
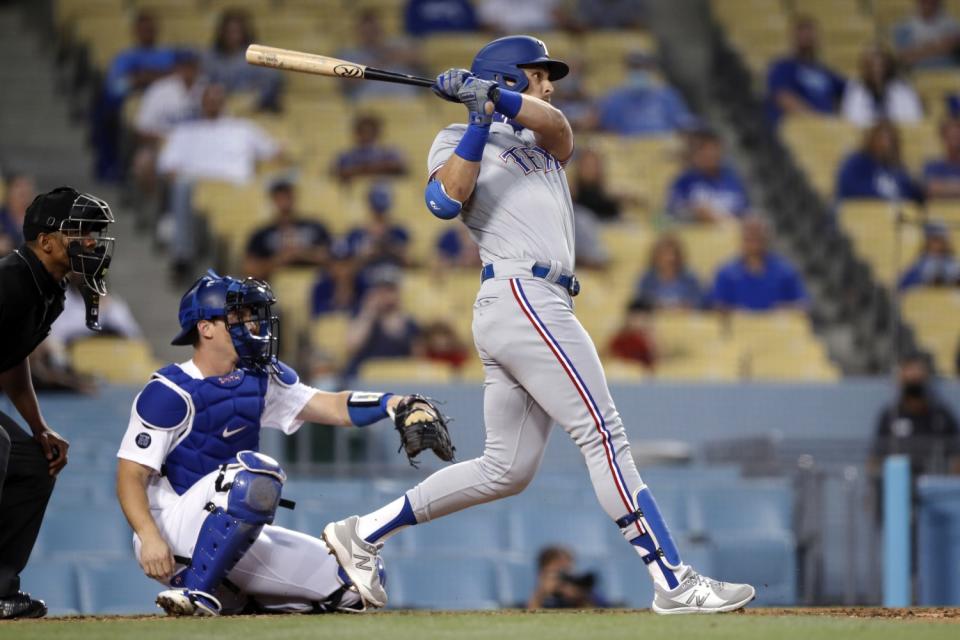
359, 559
699, 594
184, 602
21, 605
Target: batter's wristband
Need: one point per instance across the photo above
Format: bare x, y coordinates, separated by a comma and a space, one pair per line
472, 143
509, 103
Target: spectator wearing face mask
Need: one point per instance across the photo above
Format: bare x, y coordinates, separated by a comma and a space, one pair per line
643, 105
936, 265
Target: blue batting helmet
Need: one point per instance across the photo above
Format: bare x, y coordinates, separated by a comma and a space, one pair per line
504, 59
245, 305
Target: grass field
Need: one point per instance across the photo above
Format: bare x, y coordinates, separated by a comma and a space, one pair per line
766, 624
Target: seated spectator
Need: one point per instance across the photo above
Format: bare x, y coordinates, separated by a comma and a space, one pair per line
928, 39
441, 344
373, 48
226, 62
876, 170
369, 156
918, 424
634, 340
290, 240
559, 586
115, 318
509, 16
594, 15
166, 103
942, 177
668, 283
709, 190
589, 188
643, 105
18, 194
214, 147
935, 266
380, 241
381, 328
759, 279
52, 370
880, 93
326, 296
133, 70
589, 250
800, 83
427, 17
456, 249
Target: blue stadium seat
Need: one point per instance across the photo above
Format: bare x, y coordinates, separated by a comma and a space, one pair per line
440, 581
478, 530
54, 582
767, 561
589, 533
520, 581
80, 532
116, 587
744, 507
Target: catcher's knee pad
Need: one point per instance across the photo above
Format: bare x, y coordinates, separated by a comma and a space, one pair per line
227, 534
656, 538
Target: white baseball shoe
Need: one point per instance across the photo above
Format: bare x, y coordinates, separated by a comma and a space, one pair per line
358, 558
186, 602
699, 594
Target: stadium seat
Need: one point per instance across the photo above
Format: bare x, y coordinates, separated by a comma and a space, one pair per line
55, 582
86, 531
116, 587
444, 582
476, 531
125, 361
871, 225
539, 525
742, 507
381, 370
932, 311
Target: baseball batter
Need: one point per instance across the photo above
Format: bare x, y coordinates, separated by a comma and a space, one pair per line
503, 176
201, 499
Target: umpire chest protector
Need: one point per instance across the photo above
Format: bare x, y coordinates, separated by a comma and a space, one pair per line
220, 415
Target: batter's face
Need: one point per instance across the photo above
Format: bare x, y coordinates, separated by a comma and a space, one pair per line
539, 84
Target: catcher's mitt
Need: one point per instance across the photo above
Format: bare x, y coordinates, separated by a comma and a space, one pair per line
422, 426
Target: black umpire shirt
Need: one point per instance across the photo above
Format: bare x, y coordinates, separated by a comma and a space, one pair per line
30, 300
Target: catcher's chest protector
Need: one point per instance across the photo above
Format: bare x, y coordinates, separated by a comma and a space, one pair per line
226, 420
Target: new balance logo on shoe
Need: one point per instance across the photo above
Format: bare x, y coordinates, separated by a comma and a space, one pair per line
362, 562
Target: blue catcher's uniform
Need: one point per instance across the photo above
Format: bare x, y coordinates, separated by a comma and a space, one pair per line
190, 429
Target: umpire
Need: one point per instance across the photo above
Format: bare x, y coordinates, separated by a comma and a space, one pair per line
63, 233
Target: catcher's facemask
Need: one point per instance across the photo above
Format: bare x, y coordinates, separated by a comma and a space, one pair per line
253, 326
90, 251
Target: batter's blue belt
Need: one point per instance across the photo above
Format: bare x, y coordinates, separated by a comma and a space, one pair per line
540, 270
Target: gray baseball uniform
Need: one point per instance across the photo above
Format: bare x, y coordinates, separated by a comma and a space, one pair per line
541, 365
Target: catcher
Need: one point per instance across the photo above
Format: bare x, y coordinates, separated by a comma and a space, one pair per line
201, 499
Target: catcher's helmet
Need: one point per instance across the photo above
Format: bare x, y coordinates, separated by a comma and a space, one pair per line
504, 58
245, 305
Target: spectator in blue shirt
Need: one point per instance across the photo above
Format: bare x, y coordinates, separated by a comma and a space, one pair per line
935, 266
708, 190
132, 70
876, 170
668, 282
643, 106
369, 156
456, 249
291, 240
800, 83
20, 190
941, 178
425, 17
758, 280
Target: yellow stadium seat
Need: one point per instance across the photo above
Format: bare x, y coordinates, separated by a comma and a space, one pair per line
66, 11
406, 370
328, 335
117, 360
871, 224
718, 363
763, 331
232, 211
708, 246
803, 364
619, 370
293, 287
933, 313
684, 333
105, 36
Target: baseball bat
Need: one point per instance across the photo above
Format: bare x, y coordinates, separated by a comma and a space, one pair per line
290, 60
